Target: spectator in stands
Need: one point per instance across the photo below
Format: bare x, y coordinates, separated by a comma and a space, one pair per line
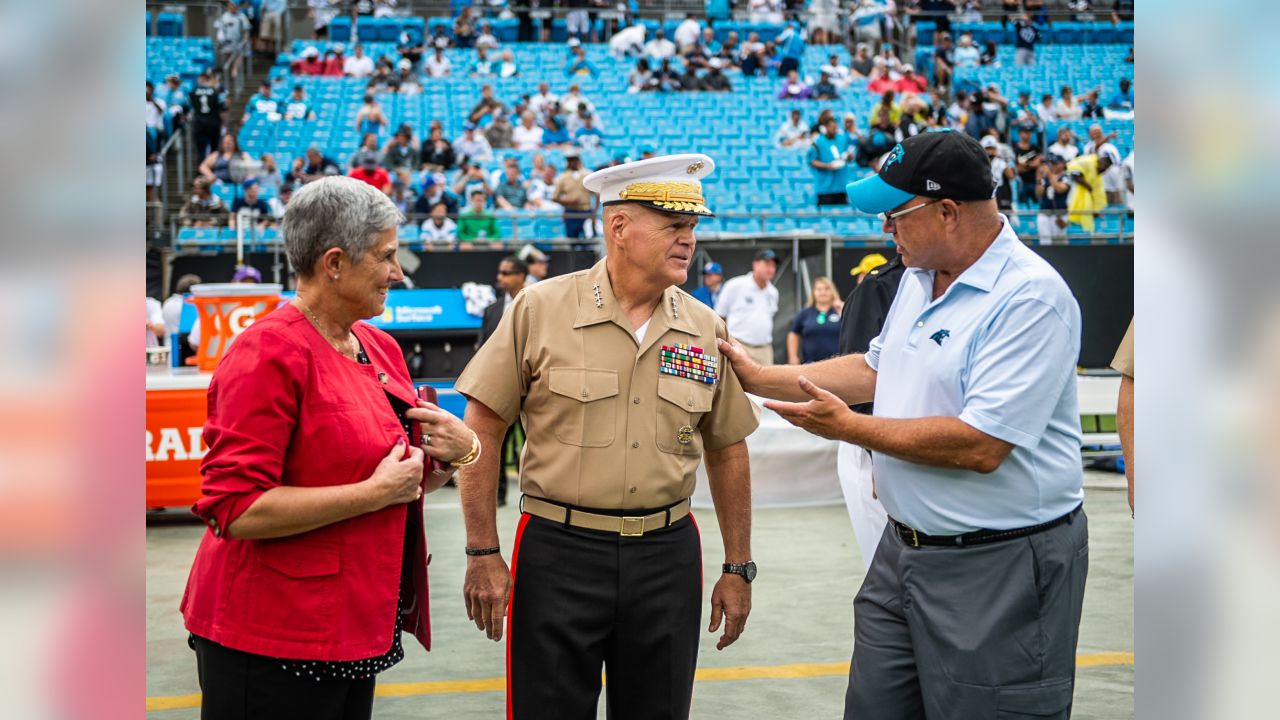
499, 132
882, 78
1023, 114
1052, 188
1090, 107
219, 165
850, 129
542, 190
511, 193
578, 64
203, 209
825, 89
370, 118
269, 174
715, 80
765, 12
231, 34
574, 99
578, 21
708, 41
254, 207
815, 333
333, 61
402, 194
886, 103
507, 65
527, 135
910, 82
370, 172
539, 102
1113, 176
438, 65
1129, 58
628, 42
368, 144
659, 48
358, 65
1065, 145
828, 159
1026, 36
475, 222
867, 20
296, 175
411, 48
1027, 163
318, 165
262, 102
439, 227
1122, 99
401, 151
862, 63
434, 192
322, 13
437, 154
990, 55
588, 136
688, 32
641, 78
730, 51
173, 96
790, 43
838, 74
553, 133
1067, 108
271, 26
824, 21
696, 57
472, 145
816, 128
967, 54
712, 282
157, 111
208, 114
464, 28
406, 78
486, 40
793, 88
944, 61
298, 107
470, 177
309, 63
571, 195
1001, 172
689, 80
915, 117
1045, 110
483, 66
439, 39
665, 79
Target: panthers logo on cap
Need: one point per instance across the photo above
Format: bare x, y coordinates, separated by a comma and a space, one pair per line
895, 156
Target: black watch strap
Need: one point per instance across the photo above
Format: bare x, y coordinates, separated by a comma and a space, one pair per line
746, 570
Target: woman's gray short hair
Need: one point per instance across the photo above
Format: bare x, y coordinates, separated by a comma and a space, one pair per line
331, 212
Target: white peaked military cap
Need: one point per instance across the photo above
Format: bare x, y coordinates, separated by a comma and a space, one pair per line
670, 183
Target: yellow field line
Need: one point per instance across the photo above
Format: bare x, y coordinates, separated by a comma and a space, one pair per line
752, 672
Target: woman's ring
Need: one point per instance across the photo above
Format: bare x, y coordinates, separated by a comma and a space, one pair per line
426, 439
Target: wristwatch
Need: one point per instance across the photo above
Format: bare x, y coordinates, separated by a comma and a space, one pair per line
747, 570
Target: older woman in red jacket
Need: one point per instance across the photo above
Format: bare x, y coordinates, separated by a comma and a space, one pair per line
315, 556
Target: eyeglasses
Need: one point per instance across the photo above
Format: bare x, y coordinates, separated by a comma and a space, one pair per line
509, 272
891, 219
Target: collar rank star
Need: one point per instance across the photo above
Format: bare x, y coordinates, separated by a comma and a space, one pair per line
690, 362
595, 288
939, 336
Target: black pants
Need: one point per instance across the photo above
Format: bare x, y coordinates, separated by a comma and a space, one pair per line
787, 65
584, 599
954, 633
833, 199
242, 686
205, 137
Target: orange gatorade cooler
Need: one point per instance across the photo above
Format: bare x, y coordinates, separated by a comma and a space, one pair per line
225, 310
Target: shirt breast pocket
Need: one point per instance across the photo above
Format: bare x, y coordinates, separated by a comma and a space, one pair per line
584, 405
683, 404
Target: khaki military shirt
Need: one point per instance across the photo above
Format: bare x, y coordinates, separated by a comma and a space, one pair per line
570, 192
1123, 362
604, 427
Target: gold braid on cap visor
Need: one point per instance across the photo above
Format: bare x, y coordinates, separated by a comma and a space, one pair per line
676, 196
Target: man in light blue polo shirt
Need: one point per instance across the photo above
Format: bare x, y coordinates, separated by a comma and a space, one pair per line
829, 160
971, 607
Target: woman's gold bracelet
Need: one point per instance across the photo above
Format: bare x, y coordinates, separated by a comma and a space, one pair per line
471, 457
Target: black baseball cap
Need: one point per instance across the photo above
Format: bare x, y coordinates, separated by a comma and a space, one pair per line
767, 254
937, 164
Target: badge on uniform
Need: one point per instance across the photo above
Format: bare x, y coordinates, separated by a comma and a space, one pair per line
690, 362
684, 435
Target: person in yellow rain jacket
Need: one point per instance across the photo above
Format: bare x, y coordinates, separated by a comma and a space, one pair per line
1087, 194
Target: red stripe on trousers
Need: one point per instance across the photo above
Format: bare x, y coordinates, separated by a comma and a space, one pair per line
511, 600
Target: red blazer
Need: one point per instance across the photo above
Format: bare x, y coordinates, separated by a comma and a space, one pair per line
285, 408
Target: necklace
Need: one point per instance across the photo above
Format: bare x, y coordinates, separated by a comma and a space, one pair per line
348, 346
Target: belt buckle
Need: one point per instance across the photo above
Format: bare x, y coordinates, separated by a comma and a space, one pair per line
915, 538
632, 526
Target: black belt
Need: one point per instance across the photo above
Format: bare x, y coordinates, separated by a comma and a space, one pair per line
915, 538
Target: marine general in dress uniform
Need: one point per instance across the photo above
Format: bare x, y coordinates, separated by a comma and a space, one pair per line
615, 374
